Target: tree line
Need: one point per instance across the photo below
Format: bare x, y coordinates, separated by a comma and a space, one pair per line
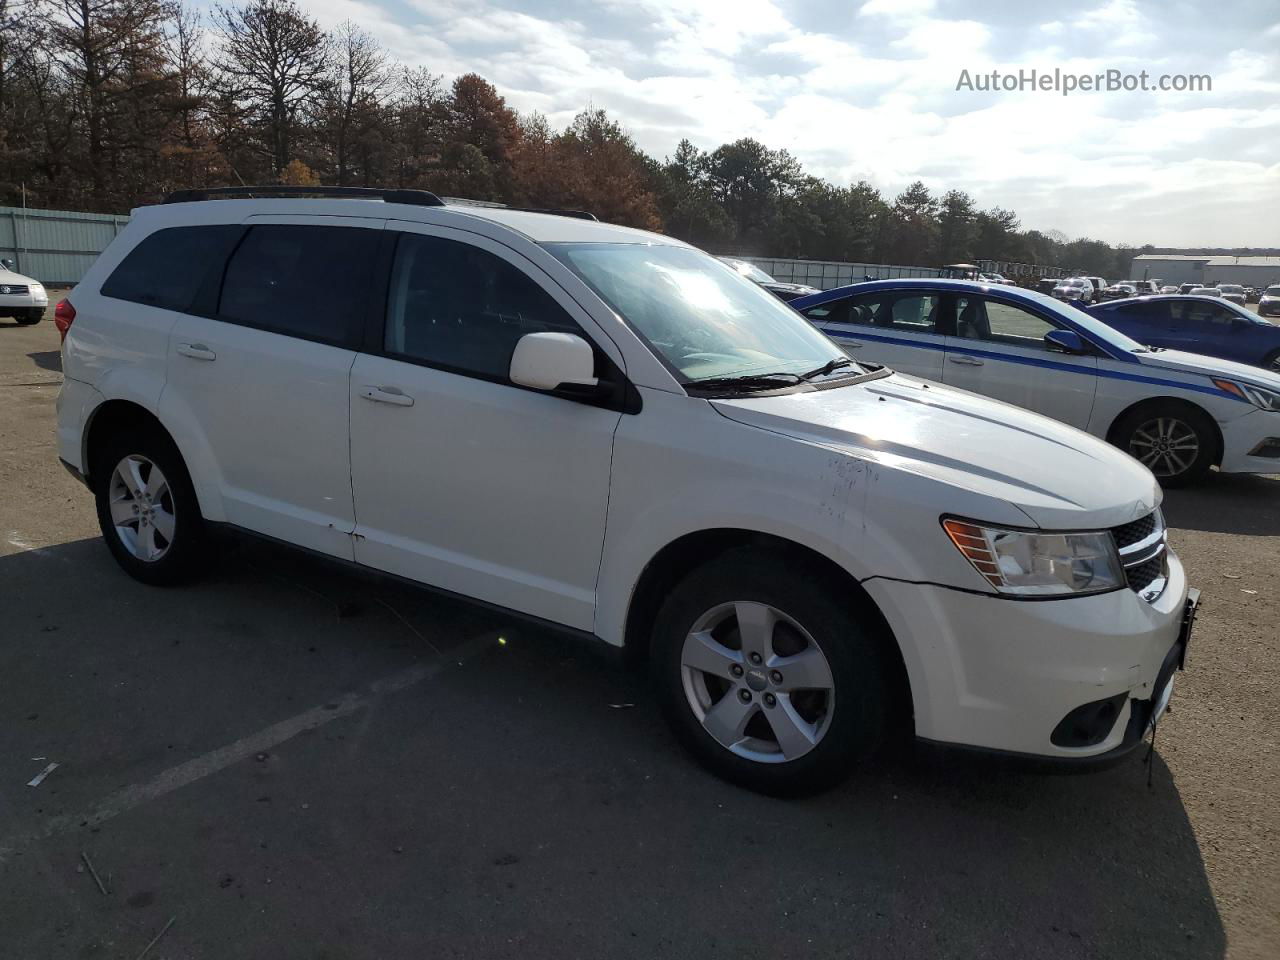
106, 104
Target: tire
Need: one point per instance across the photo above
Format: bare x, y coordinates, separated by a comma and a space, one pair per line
162, 542
1272, 361
826, 732
28, 317
1188, 432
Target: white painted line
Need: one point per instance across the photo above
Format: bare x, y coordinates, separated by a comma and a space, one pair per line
198, 768
39, 777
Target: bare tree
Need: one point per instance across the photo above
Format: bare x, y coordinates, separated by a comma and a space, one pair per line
272, 59
356, 92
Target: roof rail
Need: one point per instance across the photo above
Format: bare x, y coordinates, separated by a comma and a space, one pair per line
420, 198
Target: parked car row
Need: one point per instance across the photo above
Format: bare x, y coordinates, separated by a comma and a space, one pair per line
1179, 413
609, 431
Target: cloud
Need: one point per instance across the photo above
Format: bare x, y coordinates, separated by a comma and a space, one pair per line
870, 92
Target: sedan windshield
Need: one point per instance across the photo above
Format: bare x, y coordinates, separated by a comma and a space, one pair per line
1231, 288
750, 271
704, 321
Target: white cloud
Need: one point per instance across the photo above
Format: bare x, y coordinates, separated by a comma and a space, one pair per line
872, 95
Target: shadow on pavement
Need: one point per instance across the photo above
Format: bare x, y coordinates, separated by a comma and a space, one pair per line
1227, 503
47, 360
527, 803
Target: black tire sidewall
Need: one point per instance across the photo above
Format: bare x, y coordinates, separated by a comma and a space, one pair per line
851, 643
1196, 419
185, 556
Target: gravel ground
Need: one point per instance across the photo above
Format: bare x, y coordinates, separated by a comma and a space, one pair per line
290, 761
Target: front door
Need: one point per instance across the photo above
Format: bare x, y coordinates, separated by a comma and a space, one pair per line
462, 479
999, 351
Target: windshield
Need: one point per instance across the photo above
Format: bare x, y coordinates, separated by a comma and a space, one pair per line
1087, 322
1072, 283
750, 271
703, 320
1273, 291
1231, 288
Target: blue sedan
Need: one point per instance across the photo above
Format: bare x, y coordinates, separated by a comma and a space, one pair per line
1208, 325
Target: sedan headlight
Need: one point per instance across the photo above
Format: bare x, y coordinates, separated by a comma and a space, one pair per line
1258, 396
1039, 564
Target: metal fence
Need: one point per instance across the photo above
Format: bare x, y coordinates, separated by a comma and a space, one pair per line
55, 247
825, 274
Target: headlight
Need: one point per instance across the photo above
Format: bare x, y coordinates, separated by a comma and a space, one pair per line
1263, 399
1039, 564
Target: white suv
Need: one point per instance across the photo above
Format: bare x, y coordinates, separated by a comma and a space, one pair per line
613, 432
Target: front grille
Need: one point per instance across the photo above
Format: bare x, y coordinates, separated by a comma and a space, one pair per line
1144, 554
11, 288
1135, 531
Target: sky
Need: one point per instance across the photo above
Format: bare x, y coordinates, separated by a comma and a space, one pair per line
869, 91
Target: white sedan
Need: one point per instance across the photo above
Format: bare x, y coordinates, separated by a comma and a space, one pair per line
21, 297
1179, 413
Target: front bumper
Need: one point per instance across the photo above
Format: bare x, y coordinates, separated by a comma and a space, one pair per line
23, 301
1251, 443
1002, 674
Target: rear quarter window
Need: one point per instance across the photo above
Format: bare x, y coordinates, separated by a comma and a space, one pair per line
167, 268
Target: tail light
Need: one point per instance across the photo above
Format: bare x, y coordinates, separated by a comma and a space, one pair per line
64, 314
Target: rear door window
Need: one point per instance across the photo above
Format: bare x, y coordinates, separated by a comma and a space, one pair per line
303, 280
906, 312
167, 268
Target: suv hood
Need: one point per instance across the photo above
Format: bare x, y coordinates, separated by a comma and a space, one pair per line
8, 276
1059, 477
1178, 360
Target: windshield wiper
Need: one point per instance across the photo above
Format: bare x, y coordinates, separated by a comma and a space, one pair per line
835, 363
747, 382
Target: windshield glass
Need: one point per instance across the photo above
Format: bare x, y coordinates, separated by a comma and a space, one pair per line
1231, 288
1072, 283
1273, 291
750, 271
1086, 322
703, 320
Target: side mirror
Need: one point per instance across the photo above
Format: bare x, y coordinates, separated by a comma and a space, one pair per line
545, 361
1067, 341
6, 263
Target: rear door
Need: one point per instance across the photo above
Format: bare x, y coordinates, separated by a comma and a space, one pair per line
260, 385
898, 328
999, 351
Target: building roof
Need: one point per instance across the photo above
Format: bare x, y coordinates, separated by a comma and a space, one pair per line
1214, 261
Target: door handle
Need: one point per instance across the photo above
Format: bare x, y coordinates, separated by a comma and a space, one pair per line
196, 351
968, 361
392, 395
852, 344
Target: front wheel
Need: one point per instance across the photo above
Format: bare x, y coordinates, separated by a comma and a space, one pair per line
147, 508
1272, 361
770, 680
28, 317
1175, 442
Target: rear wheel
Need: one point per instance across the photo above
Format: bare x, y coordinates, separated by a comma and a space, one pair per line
1176, 442
767, 678
147, 508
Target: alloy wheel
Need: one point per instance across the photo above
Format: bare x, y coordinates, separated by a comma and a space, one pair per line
141, 506
757, 681
1166, 446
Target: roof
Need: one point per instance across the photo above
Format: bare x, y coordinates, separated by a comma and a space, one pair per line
930, 283
1214, 261
538, 227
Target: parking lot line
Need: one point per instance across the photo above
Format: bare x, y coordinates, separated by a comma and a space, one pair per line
198, 768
